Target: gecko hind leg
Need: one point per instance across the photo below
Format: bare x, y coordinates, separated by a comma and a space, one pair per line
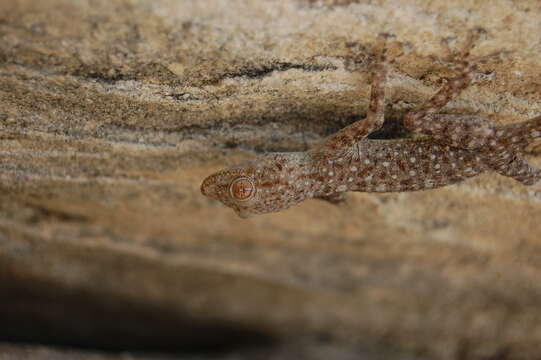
463, 131
414, 119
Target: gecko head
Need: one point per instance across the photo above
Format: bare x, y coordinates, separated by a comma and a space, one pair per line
255, 187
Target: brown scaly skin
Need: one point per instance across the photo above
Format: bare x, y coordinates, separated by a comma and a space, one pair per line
456, 147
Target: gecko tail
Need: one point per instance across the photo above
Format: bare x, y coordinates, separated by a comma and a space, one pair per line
511, 143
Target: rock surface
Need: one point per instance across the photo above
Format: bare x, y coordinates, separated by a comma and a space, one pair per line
112, 112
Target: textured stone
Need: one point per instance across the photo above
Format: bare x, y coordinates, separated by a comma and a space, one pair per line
111, 114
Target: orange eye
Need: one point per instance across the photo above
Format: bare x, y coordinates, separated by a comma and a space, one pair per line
242, 189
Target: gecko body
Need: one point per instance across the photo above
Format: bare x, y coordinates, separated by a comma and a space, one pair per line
454, 148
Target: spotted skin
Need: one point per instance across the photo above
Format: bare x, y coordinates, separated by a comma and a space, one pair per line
453, 148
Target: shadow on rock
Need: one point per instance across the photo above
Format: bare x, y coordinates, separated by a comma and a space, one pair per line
37, 311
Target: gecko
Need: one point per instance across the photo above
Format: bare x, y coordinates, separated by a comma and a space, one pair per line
450, 149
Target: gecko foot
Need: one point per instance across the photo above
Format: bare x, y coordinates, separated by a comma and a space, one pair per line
335, 198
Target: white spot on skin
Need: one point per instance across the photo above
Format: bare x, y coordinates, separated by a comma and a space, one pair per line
412, 173
413, 160
432, 157
368, 178
396, 153
393, 176
331, 173
307, 183
453, 165
386, 164
353, 168
437, 166
341, 188
367, 161
535, 133
350, 179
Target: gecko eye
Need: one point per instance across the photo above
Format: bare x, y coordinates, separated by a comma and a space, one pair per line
242, 189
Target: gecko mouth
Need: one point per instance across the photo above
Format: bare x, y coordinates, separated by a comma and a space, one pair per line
204, 189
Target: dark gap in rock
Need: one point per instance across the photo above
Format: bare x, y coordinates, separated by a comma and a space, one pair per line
393, 128
257, 72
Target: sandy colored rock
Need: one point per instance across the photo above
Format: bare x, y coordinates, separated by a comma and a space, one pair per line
111, 114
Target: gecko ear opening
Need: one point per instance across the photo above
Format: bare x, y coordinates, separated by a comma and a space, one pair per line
242, 189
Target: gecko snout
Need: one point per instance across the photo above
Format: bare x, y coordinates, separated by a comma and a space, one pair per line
206, 186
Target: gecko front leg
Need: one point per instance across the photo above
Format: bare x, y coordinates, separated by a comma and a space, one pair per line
357, 131
335, 198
